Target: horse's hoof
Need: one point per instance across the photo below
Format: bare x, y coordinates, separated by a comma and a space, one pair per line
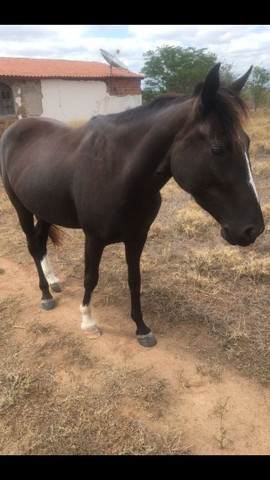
148, 340
56, 287
92, 332
48, 303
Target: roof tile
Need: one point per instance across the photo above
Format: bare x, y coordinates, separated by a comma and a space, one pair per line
48, 68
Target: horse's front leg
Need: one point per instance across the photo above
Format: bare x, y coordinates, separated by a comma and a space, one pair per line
93, 251
52, 280
134, 249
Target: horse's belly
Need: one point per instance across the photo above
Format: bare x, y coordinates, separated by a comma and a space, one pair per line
59, 213
52, 205
63, 219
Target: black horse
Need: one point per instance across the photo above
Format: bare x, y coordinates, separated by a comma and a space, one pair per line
105, 177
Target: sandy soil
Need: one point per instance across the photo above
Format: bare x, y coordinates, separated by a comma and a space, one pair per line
218, 412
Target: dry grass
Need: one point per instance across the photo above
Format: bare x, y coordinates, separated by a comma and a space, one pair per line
52, 404
81, 420
262, 169
258, 129
192, 220
220, 411
77, 123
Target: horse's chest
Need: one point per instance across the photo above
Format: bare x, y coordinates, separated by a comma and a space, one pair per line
127, 221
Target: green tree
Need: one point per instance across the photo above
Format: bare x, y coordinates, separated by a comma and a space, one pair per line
259, 86
175, 69
226, 73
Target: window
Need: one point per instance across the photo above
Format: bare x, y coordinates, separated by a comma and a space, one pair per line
6, 100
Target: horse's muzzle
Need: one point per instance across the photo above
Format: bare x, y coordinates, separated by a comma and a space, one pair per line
243, 238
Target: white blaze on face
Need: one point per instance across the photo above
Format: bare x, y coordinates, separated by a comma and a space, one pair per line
250, 178
48, 271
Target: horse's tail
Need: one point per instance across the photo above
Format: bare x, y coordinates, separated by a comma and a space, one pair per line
56, 235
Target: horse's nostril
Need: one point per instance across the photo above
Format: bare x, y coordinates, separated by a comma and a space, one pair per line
226, 230
250, 233
244, 237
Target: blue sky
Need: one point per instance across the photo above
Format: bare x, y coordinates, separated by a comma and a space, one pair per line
239, 45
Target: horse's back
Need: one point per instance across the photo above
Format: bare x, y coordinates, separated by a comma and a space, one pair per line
25, 133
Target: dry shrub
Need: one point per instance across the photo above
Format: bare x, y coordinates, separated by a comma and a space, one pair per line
231, 264
220, 261
266, 211
254, 268
261, 168
77, 123
14, 387
192, 220
258, 130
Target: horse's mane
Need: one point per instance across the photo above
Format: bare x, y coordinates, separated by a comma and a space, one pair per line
231, 110
166, 99
156, 104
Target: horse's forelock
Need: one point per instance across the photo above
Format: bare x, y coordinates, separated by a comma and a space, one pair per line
231, 110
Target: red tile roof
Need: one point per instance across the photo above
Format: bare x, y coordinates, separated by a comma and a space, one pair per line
46, 68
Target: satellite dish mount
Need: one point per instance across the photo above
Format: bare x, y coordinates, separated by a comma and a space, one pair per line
112, 60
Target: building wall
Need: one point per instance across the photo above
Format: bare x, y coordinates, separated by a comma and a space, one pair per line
27, 96
79, 100
123, 86
27, 99
71, 100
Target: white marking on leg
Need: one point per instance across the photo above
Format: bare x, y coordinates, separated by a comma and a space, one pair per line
87, 320
88, 324
250, 178
48, 271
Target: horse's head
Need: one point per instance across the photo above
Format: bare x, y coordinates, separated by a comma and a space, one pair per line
210, 159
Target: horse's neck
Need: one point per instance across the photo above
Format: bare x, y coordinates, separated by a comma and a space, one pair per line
149, 166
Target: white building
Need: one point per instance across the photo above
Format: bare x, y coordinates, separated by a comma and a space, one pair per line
70, 91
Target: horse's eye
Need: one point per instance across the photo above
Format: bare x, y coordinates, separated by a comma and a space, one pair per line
217, 149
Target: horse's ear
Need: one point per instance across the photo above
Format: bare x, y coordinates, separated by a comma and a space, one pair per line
238, 84
197, 89
210, 88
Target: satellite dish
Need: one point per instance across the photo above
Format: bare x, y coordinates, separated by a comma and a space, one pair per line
112, 60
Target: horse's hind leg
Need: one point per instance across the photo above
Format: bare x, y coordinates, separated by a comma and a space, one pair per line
134, 249
42, 231
37, 249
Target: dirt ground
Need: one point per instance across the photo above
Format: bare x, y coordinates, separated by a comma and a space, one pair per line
214, 410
